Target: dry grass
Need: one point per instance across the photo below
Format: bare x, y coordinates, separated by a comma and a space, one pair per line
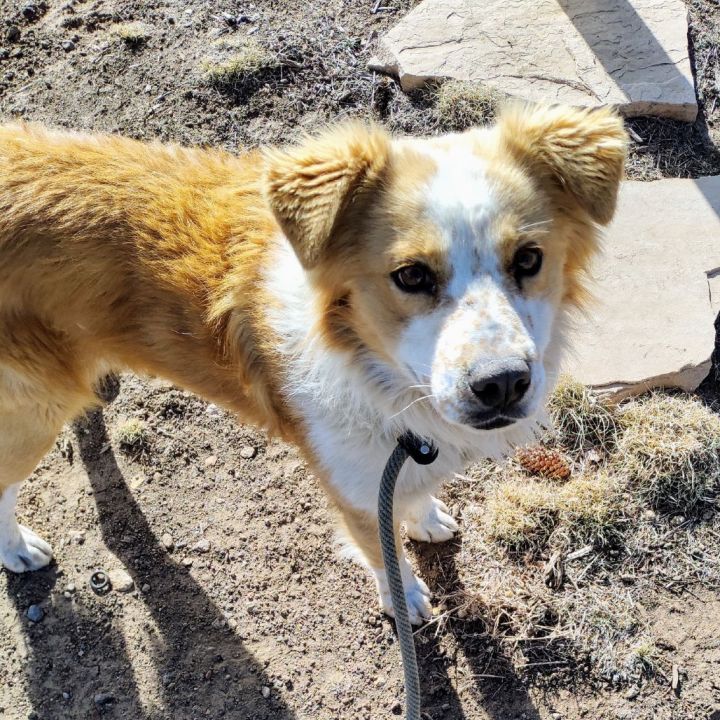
236, 60
670, 451
555, 572
133, 437
461, 105
132, 34
581, 419
525, 514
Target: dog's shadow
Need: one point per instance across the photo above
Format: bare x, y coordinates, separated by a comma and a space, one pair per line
198, 666
482, 673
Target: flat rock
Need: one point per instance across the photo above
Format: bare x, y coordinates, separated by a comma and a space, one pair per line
632, 54
657, 291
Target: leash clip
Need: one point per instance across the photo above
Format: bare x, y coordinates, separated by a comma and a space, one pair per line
423, 452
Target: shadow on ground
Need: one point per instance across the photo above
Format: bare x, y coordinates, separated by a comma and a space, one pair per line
478, 666
201, 666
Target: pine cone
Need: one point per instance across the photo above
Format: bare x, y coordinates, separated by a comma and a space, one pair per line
539, 460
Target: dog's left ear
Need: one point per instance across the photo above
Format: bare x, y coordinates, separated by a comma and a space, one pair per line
580, 152
312, 187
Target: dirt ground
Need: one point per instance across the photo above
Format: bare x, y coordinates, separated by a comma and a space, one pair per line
240, 606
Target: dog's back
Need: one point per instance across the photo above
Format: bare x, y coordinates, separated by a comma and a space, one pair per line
116, 253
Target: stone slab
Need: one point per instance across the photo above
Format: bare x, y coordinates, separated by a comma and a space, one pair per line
657, 290
631, 54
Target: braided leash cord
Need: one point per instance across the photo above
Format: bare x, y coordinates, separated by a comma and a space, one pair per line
423, 453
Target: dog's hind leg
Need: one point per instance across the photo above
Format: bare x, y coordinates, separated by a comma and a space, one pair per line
43, 383
24, 439
26, 434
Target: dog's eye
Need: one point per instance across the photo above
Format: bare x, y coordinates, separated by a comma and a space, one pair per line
415, 278
527, 262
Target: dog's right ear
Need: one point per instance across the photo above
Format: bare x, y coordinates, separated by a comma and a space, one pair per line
311, 187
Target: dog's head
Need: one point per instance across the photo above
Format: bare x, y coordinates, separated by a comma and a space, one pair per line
452, 259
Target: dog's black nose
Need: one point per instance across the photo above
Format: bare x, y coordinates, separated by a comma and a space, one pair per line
504, 389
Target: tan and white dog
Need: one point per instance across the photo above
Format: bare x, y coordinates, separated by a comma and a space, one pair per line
338, 293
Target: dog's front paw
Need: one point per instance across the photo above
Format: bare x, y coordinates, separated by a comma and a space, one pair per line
417, 597
24, 551
431, 522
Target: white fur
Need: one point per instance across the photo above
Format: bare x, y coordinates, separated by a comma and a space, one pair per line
355, 408
20, 548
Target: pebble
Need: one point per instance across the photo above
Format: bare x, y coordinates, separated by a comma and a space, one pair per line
202, 546
157, 476
187, 562
12, 34
211, 461
103, 698
167, 541
71, 588
145, 588
120, 580
248, 452
30, 12
265, 691
35, 613
632, 693
68, 45
66, 696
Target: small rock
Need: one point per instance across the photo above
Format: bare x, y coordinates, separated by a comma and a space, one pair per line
211, 409
35, 613
632, 693
121, 581
202, 546
145, 588
71, 588
265, 691
12, 34
157, 477
187, 562
30, 12
66, 696
211, 461
103, 698
167, 541
396, 708
248, 452
68, 46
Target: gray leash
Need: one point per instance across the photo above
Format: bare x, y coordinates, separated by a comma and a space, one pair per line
423, 453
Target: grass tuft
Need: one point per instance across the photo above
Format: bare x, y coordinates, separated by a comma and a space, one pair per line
581, 419
529, 515
133, 437
237, 60
462, 104
670, 451
132, 34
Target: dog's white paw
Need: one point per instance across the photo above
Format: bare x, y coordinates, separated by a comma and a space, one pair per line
431, 522
417, 597
24, 550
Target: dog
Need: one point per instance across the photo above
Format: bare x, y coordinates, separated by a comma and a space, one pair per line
338, 292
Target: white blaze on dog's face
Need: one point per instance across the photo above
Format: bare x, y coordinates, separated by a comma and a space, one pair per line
452, 259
